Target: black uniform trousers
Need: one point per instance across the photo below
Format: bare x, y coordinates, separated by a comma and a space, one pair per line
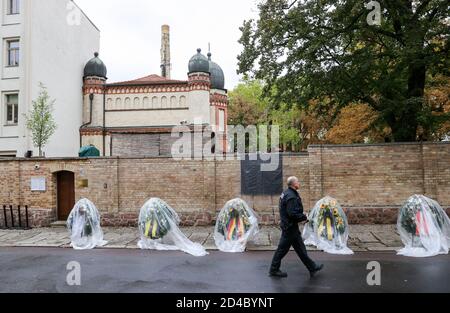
291, 237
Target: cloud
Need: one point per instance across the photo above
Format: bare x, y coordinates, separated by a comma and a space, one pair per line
131, 34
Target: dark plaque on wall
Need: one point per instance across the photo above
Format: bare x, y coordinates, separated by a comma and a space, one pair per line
262, 174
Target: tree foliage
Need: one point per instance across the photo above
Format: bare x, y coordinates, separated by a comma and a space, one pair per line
247, 104
356, 123
40, 120
298, 127
326, 50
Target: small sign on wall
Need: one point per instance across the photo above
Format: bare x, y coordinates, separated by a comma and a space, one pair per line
83, 183
38, 184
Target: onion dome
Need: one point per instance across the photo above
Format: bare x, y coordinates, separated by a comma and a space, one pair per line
198, 63
217, 76
95, 67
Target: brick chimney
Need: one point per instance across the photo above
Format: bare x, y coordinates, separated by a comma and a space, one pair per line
165, 52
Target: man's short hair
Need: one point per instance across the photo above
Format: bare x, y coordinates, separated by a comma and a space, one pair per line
291, 180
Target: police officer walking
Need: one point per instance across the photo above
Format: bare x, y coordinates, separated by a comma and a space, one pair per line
291, 214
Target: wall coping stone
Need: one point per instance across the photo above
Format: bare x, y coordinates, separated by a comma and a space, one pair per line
380, 144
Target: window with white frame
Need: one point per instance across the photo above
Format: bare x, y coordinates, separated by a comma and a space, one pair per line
13, 52
12, 109
221, 120
13, 7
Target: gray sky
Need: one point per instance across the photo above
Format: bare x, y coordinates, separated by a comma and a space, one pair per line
131, 34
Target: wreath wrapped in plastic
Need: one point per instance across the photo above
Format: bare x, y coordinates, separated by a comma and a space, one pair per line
158, 227
154, 220
328, 227
424, 228
83, 224
235, 225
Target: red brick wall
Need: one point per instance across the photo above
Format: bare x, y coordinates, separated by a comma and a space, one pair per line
370, 181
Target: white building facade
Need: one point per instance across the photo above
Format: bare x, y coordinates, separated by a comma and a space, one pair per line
43, 41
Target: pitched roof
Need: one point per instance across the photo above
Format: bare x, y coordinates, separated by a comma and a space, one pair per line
149, 80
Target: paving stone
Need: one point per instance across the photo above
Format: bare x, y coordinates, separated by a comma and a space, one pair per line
357, 249
210, 243
133, 244
260, 239
388, 238
3, 233
199, 237
274, 236
187, 231
375, 246
260, 248
382, 248
363, 237
29, 241
14, 236
111, 236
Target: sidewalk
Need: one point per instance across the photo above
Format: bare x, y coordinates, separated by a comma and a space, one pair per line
362, 238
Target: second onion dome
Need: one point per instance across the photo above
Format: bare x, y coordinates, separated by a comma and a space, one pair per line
217, 75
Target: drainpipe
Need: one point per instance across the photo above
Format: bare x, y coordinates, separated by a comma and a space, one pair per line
91, 100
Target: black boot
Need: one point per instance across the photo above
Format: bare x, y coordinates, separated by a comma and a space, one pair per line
317, 269
278, 274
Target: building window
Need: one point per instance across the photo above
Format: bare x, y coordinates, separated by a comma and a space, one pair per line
118, 104
137, 103
127, 103
12, 109
164, 102
173, 102
8, 154
146, 103
182, 101
13, 7
221, 120
155, 103
13, 52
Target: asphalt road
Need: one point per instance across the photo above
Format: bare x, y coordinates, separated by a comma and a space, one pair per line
104, 270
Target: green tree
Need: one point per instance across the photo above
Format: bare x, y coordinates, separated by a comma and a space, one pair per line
298, 127
40, 119
326, 49
247, 104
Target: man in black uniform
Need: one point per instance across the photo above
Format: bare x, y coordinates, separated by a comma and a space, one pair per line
291, 214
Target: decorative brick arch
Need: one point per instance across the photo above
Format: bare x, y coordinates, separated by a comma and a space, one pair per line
61, 167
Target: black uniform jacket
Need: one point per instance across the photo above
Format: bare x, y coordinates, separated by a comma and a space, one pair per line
291, 210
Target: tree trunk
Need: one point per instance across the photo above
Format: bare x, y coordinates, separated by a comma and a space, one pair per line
403, 124
407, 119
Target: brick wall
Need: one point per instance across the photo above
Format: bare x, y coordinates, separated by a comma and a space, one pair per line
370, 181
373, 181
153, 144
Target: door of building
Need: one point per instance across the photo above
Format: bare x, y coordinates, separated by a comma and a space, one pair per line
65, 190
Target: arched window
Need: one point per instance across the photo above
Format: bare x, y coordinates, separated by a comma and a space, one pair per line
137, 103
118, 105
173, 102
127, 103
164, 102
183, 101
155, 103
146, 103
